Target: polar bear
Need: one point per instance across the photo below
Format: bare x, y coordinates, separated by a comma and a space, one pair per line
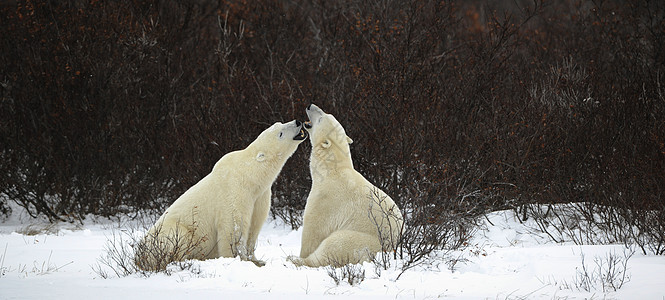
221, 215
347, 219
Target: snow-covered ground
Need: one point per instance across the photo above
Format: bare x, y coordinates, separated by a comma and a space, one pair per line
501, 262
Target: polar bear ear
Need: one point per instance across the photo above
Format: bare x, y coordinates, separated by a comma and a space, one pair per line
260, 157
326, 144
349, 140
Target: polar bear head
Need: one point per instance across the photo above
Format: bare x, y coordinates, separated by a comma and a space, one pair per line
330, 144
278, 142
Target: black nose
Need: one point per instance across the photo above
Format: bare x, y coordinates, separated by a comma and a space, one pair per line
298, 123
309, 106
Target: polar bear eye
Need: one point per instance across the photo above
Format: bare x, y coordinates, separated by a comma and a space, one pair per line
281, 134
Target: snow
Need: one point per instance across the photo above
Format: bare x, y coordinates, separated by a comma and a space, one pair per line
504, 260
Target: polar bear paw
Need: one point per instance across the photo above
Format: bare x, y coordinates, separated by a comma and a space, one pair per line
296, 260
258, 262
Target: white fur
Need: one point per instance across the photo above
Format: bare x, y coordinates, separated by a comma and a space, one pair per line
226, 209
344, 213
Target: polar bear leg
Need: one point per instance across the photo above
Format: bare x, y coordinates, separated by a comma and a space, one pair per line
232, 236
343, 247
259, 215
238, 243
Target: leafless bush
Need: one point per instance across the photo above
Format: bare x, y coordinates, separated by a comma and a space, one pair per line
35, 229
351, 273
609, 273
420, 241
426, 233
389, 225
3, 269
577, 222
589, 223
131, 251
158, 249
5, 210
650, 230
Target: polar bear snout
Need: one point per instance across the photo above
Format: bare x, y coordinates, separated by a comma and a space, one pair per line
312, 108
314, 114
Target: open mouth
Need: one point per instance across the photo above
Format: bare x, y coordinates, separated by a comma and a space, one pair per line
302, 134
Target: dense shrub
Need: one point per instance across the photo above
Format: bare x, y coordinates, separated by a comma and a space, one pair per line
115, 105
108, 106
